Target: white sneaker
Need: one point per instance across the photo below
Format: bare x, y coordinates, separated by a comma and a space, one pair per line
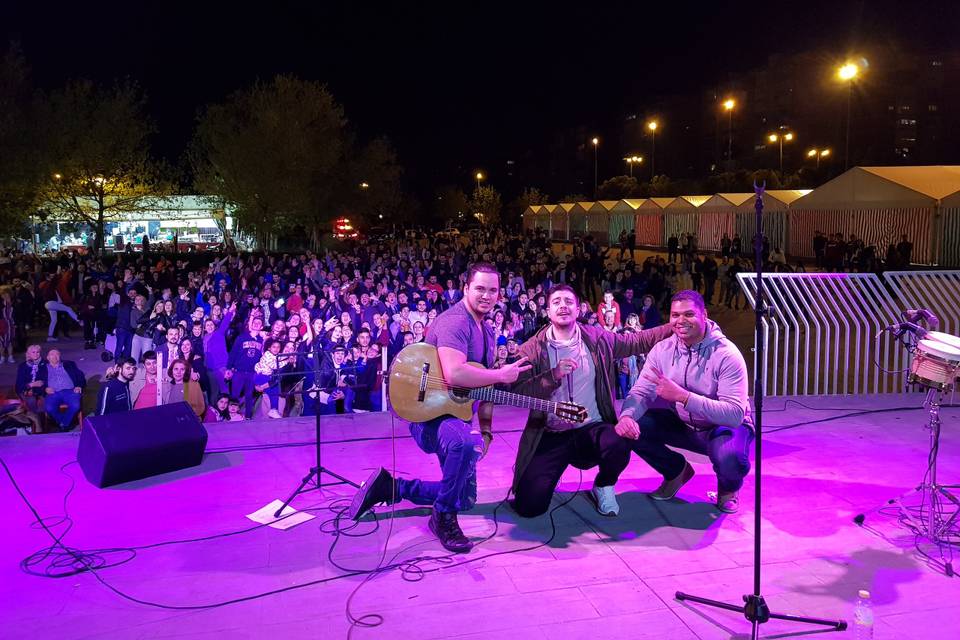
605, 500
11, 360
274, 414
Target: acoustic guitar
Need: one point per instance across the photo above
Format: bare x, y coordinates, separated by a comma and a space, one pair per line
419, 393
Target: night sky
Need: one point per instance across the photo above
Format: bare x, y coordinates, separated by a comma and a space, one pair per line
455, 86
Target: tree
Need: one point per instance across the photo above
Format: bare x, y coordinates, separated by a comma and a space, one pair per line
574, 197
450, 205
529, 197
618, 188
275, 155
96, 162
19, 161
485, 204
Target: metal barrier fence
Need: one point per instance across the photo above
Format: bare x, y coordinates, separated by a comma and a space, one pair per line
938, 291
824, 334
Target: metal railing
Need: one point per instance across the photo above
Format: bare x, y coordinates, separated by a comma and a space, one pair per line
937, 291
825, 334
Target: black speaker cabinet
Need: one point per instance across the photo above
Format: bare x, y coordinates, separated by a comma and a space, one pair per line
121, 447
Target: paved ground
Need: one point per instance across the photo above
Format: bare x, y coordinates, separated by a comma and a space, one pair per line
595, 578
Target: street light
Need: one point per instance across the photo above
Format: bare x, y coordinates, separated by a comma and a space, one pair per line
652, 126
781, 138
364, 185
728, 105
596, 153
479, 177
848, 72
818, 153
57, 176
632, 160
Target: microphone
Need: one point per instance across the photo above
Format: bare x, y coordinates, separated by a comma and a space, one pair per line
922, 315
900, 328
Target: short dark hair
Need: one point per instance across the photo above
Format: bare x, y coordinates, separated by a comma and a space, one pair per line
148, 355
124, 361
688, 295
557, 288
481, 267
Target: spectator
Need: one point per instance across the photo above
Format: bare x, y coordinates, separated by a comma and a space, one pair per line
63, 382
29, 386
114, 395
8, 326
181, 388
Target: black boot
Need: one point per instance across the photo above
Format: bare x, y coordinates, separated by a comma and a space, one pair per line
445, 526
379, 487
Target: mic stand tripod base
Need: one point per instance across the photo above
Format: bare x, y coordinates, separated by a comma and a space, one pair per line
755, 610
315, 472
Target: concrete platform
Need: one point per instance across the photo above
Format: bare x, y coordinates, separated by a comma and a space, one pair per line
595, 578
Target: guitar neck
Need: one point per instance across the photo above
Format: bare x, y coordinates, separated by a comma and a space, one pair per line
492, 394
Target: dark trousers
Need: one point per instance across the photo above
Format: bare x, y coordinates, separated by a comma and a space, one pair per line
241, 388
595, 444
727, 447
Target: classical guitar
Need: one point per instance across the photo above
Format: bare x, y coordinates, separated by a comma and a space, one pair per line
418, 392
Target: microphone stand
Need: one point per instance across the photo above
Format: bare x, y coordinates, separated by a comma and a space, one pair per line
755, 608
317, 470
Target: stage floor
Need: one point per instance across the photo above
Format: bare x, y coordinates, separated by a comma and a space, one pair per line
597, 578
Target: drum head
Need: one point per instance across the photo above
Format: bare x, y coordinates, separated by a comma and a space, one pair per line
945, 338
939, 350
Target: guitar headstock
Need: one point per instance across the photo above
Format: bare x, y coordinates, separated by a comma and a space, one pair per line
569, 412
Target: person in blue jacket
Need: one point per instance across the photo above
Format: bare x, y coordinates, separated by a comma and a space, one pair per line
64, 383
244, 356
114, 395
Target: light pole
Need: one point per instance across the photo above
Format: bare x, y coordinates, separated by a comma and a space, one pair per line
781, 137
818, 153
596, 153
479, 177
848, 73
632, 160
652, 127
729, 105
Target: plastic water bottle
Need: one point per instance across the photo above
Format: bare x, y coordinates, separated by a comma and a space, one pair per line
863, 617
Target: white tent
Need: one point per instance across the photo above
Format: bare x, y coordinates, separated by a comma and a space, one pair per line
649, 220
598, 222
577, 214
558, 221
717, 217
879, 205
680, 216
776, 204
623, 218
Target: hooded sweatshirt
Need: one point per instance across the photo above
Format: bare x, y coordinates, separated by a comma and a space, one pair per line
713, 371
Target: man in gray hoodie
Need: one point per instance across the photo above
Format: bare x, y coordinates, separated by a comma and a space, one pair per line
692, 394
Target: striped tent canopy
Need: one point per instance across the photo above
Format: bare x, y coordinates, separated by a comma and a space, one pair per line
776, 203
577, 214
949, 231
681, 217
531, 217
879, 205
717, 217
649, 221
623, 218
598, 222
558, 221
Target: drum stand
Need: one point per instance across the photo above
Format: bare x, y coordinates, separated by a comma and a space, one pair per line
935, 518
939, 507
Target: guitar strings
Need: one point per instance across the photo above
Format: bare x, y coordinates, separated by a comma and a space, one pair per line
441, 383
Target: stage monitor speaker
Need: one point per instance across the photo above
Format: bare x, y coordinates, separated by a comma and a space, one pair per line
121, 447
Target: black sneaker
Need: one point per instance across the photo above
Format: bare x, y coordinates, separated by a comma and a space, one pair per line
447, 529
379, 487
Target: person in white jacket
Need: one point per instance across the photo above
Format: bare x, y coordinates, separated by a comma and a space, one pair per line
692, 394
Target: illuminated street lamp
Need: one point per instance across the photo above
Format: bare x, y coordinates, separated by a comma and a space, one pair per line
728, 106
479, 177
364, 185
58, 176
652, 127
632, 160
818, 153
848, 73
783, 136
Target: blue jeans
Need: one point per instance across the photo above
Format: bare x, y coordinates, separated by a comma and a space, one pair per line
52, 406
727, 447
458, 447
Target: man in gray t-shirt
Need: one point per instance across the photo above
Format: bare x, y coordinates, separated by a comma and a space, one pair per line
460, 336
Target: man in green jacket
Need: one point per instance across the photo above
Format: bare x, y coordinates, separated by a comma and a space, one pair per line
574, 363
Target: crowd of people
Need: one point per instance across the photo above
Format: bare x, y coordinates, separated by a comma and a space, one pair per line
236, 335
